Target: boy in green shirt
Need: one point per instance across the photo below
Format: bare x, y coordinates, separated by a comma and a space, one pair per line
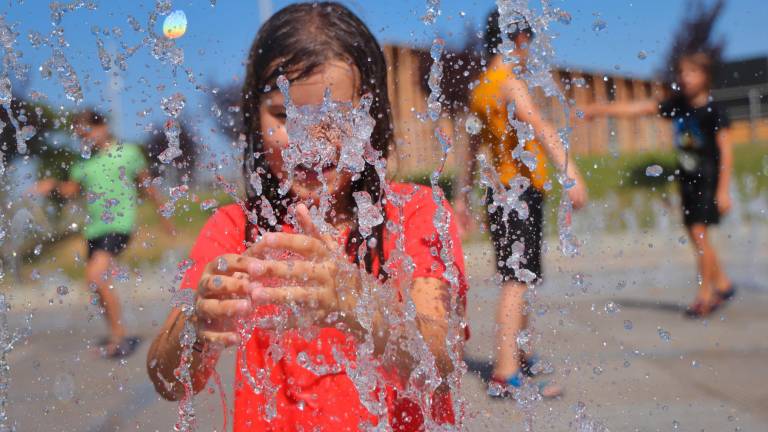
110, 180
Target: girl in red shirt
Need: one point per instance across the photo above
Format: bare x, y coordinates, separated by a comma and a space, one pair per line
344, 316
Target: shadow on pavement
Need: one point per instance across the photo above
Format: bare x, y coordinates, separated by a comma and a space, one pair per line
481, 368
653, 305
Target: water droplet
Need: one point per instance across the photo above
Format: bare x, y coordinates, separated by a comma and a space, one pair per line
175, 24
611, 308
642, 55
433, 11
524, 340
64, 386
473, 125
654, 171
368, 214
664, 335
434, 107
597, 370
62, 290
38, 250
221, 264
628, 325
563, 17
599, 25
529, 159
5, 91
173, 104
209, 204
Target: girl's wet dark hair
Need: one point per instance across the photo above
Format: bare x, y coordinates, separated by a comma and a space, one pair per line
295, 42
492, 37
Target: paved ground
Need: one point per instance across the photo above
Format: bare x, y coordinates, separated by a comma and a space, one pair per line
710, 375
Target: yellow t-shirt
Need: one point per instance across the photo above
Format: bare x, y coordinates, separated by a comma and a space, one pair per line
488, 104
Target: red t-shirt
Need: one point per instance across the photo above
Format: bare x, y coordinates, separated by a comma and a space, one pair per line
305, 401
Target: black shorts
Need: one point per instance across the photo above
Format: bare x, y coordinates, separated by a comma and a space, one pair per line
505, 234
114, 243
698, 199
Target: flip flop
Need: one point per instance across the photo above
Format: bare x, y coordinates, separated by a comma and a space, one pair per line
728, 294
125, 348
702, 310
504, 389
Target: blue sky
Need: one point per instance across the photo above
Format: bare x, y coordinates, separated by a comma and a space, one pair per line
218, 37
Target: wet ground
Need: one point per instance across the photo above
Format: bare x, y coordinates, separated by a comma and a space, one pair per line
636, 364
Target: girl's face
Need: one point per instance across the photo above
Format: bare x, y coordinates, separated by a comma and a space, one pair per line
342, 80
693, 78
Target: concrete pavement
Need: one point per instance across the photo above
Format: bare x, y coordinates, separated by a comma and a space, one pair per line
602, 319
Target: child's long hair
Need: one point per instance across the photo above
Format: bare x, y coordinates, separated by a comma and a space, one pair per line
693, 41
295, 42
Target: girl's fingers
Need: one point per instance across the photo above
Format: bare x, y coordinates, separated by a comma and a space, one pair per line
229, 264
224, 287
305, 221
226, 339
306, 246
289, 294
213, 309
295, 271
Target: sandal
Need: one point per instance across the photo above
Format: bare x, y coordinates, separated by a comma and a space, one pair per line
728, 294
121, 350
500, 388
699, 309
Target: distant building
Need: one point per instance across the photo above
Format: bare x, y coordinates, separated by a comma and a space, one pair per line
742, 86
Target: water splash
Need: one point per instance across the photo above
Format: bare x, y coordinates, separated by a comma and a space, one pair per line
433, 11
434, 107
185, 300
369, 215
104, 57
455, 337
172, 106
8, 340
582, 422
66, 75
330, 135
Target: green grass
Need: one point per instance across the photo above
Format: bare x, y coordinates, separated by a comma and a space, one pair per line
621, 179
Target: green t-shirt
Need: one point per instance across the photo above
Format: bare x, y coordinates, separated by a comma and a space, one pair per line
109, 181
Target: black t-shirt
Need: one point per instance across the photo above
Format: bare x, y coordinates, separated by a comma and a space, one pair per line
695, 135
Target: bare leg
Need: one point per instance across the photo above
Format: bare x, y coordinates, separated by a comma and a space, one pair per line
510, 320
720, 280
97, 274
707, 264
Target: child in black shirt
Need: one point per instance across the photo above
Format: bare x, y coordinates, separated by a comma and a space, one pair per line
704, 158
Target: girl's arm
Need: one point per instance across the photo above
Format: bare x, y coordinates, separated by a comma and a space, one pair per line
164, 358
525, 110
432, 300
723, 196
621, 109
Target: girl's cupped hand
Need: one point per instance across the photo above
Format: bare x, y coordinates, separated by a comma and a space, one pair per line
308, 271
